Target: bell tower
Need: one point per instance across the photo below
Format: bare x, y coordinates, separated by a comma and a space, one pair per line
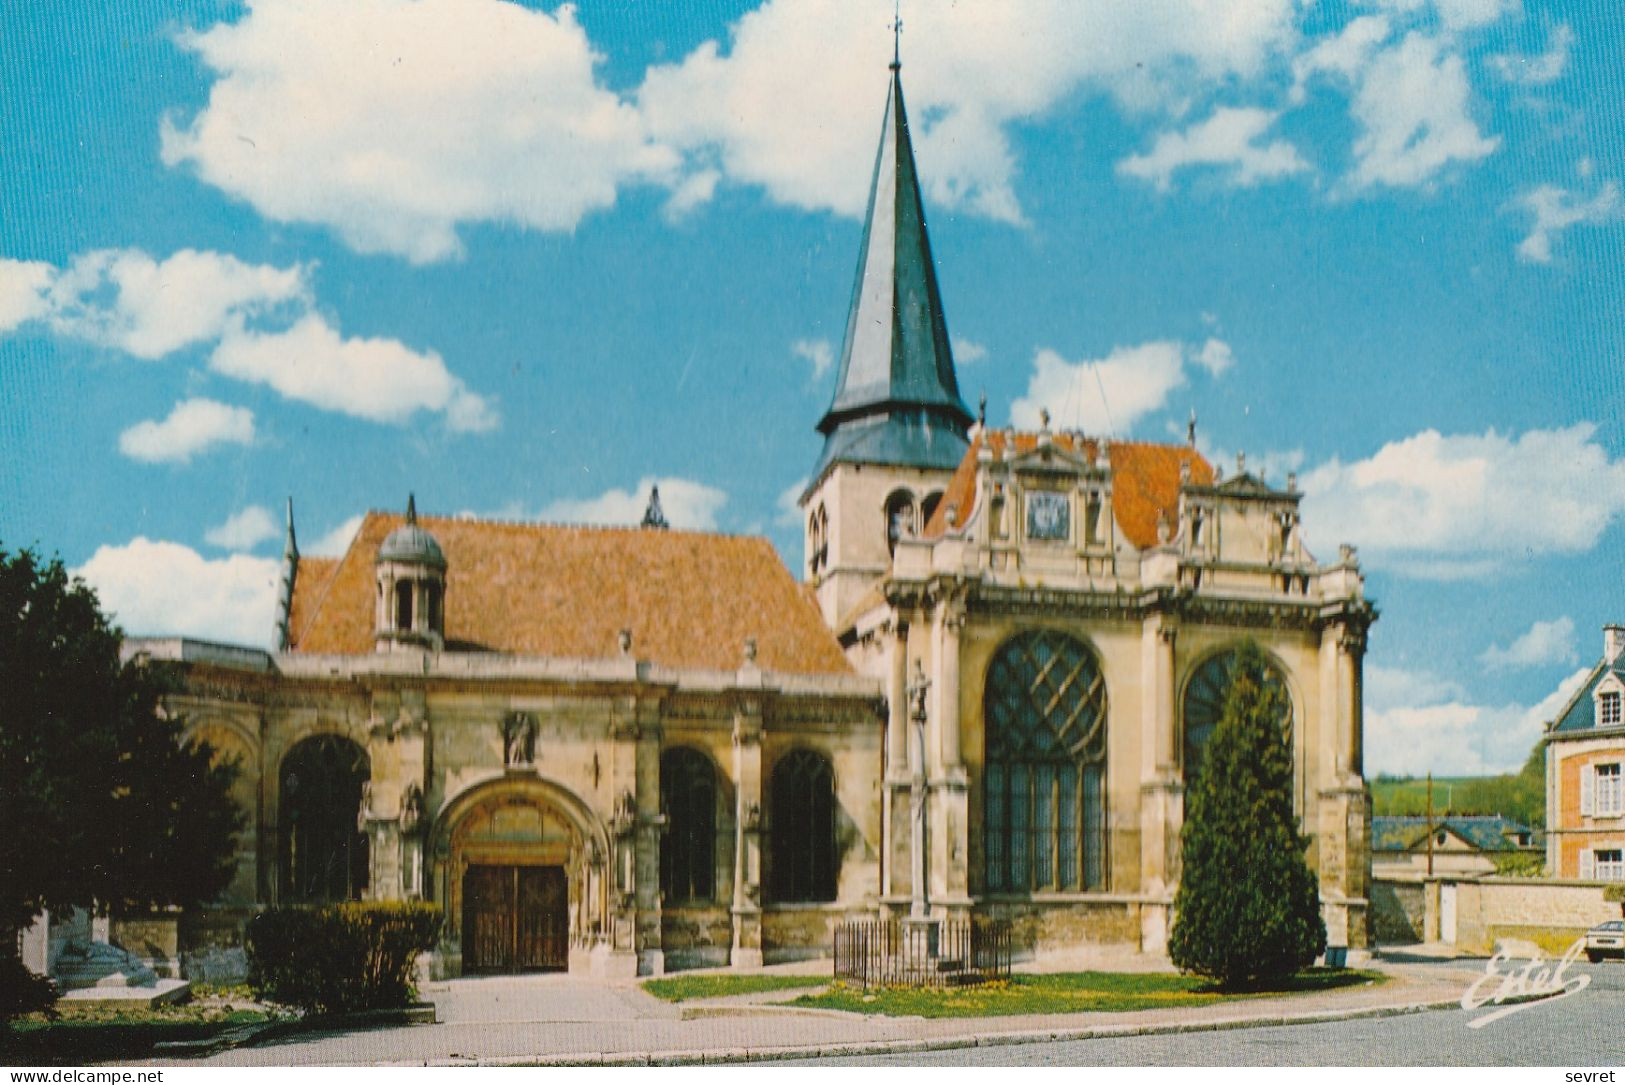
896, 428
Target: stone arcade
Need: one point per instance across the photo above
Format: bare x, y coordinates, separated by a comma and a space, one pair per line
629, 750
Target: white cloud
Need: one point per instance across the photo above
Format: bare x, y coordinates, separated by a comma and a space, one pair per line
243, 530
1417, 723
689, 505
817, 352
1556, 209
378, 379
22, 291
163, 588
792, 103
968, 351
1216, 357
1109, 395
1229, 140
123, 298
1542, 643
1468, 505
1455, 14
193, 426
1346, 55
335, 542
1413, 106
1537, 71
392, 122
788, 504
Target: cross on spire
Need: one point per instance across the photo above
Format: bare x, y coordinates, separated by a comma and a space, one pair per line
897, 36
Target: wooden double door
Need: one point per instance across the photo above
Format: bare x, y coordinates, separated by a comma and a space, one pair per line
516, 919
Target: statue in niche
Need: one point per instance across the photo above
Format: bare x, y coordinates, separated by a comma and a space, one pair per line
411, 808
364, 809
518, 740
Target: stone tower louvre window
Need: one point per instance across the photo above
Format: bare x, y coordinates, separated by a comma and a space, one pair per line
1044, 794
324, 856
899, 518
688, 854
803, 829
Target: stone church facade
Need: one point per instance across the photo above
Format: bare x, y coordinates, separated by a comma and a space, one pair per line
629, 750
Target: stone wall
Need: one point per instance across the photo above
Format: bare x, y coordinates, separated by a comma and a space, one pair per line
1397, 911
696, 937
1549, 914
1049, 930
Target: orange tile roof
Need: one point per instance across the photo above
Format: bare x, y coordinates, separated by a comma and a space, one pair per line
690, 599
1145, 479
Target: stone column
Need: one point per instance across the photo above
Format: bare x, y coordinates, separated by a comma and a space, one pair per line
651, 823
1343, 820
746, 951
948, 831
894, 888
1161, 786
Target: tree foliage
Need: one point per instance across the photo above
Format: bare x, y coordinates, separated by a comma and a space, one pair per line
103, 804
1520, 796
1248, 908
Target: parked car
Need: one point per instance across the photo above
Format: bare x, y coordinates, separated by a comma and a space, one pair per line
1606, 940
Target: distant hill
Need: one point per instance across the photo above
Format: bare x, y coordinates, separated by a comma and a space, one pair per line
1520, 796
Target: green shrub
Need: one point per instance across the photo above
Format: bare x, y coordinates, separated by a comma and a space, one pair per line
341, 958
1247, 912
21, 991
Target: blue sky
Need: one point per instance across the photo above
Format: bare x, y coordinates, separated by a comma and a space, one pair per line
522, 259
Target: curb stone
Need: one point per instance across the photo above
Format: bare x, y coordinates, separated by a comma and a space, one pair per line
949, 1043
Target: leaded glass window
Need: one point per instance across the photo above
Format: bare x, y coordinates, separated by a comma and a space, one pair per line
1044, 783
803, 827
1204, 704
688, 854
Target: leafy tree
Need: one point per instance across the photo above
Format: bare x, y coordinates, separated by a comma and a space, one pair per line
1248, 908
102, 804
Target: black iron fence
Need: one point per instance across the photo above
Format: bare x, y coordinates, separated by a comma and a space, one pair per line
875, 953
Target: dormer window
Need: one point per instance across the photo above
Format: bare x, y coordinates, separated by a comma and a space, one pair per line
1608, 708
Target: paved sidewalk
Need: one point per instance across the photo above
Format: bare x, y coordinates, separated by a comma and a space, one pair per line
556, 1019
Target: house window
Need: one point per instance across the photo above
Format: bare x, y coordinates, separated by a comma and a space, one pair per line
688, 854
324, 855
1608, 709
803, 829
1610, 865
1610, 798
1044, 784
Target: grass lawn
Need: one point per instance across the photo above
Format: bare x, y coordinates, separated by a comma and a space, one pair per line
1065, 992
717, 985
84, 1034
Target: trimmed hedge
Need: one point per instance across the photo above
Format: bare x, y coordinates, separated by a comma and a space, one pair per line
341, 958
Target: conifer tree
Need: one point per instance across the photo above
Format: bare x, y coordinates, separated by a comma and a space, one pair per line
1248, 908
103, 802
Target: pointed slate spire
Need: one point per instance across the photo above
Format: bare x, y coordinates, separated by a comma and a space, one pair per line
897, 397
653, 516
411, 508
284, 595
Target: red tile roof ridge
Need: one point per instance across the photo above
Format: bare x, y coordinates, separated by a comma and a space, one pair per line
559, 525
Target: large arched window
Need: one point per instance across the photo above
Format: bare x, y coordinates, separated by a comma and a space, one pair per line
688, 854
1044, 785
1204, 704
324, 855
803, 828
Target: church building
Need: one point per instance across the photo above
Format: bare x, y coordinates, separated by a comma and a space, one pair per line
627, 750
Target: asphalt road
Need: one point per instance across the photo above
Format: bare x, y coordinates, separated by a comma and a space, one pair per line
1586, 1029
